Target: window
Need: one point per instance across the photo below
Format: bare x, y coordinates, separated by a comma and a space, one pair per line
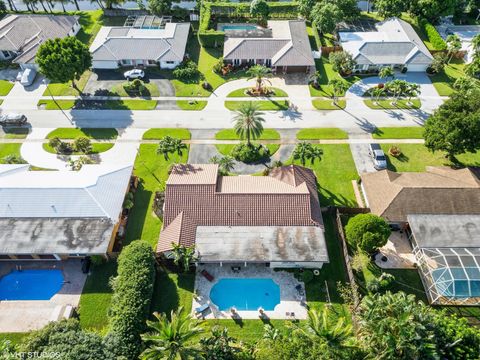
126, 62
236, 62
170, 62
152, 62
268, 62
6, 54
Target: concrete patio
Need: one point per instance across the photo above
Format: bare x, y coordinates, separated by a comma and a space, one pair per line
398, 252
290, 299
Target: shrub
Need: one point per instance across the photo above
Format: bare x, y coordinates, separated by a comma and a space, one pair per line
342, 62
395, 151
54, 142
381, 283
132, 294
83, 144
13, 159
187, 70
218, 66
249, 153
136, 86
367, 232
433, 36
64, 148
307, 276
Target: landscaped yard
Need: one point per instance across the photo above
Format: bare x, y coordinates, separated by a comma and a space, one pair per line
242, 92
226, 149
415, 157
408, 132
129, 105
159, 133
98, 105
192, 104
387, 104
91, 133
9, 149
5, 87
56, 104
151, 90
96, 148
327, 73
444, 80
327, 104
264, 105
66, 89
229, 134
321, 133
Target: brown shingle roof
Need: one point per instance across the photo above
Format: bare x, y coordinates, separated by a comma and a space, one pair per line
288, 197
438, 190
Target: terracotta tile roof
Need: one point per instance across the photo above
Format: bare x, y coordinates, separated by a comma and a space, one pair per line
438, 190
288, 197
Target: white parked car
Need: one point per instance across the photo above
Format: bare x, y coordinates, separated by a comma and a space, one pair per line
28, 77
378, 156
134, 74
13, 119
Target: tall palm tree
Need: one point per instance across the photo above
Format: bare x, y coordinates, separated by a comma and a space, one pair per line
225, 163
338, 88
259, 72
169, 339
386, 72
397, 88
169, 145
376, 93
248, 122
413, 90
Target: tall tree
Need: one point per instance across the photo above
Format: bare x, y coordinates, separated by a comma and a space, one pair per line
326, 16
367, 232
338, 88
453, 45
248, 122
260, 10
171, 338
259, 73
376, 92
64, 60
455, 126
432, 9
390, 8
169, 145
386, 72
305, 7
160, 7
397, 88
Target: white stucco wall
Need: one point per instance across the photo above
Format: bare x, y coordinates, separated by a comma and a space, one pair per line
164, 65
305, 265
104, 64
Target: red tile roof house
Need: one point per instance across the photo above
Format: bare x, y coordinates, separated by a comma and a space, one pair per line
273, 219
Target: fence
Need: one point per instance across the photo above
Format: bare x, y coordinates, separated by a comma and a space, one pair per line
124, 12
326, 50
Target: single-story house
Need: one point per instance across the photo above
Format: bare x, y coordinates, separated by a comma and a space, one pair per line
440, 210
395, 44
21, 35
55, 215
119, 46
273, 220
283, 46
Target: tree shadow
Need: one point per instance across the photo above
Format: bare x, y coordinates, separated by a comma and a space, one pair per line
328, 198
138, 213
165, 295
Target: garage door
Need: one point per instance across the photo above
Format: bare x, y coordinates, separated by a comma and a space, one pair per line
296, 69
417, 67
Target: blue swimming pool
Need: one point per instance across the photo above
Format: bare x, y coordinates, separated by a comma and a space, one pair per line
30, 284
245, 294
238, 27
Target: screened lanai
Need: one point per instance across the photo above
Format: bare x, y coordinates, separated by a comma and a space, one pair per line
447, 250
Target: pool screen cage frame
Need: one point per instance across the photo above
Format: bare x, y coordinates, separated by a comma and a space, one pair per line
453, 264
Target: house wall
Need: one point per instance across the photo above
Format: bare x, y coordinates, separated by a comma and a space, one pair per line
75, 29
293, 265
417, 67
7, 55
166, 65
104, 64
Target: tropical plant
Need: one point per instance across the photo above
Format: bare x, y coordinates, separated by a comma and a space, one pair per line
169, 145
183, 256
260, 10
305, 7
315, 79
54, 143
250, 153
225, 163
8, 350
63, 60
397, 88
413, 90
306, 151
360, 260
342, 62
438, 63
82, 144
77, 164
128, 202
187, 70
386, 72
259, 73
377, 92
13, 159
270, 333
473, 69
453, 45
466, 84
248, 122
219, 345
338, 88
171, 338
367, 232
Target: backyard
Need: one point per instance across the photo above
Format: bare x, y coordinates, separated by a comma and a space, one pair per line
444, 80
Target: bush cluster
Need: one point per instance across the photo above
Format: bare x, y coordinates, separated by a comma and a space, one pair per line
367, 232
187, 70
136, 86
249, 153
81, 144
433, 36
132, 294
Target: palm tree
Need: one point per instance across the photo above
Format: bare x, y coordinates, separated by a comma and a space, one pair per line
259, 72
248, 122
324, 325
171, 339
338, 88
225, 163
376, 93
397, 88
305, 151
183, 255
169, 145
413, 90
386, 72
315, 79
453, 45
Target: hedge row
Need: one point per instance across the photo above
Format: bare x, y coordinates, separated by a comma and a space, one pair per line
433, 36
209, 37
132, 294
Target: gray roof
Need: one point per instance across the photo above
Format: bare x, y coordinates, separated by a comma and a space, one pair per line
55, 236
287, 46
117, 43
261, 243
445, 231
24, 33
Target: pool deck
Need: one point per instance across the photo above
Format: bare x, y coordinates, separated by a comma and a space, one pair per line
290, 299
24, 316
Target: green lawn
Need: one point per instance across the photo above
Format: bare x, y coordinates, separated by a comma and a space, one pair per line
91, 133
9, 149
96, 296
265, 105
159, 133
66, 89
15, 133
56, 104
242, 93
408, 132
130, 104
415, 157
171, 291
229, 134
191, 104
387, 104
151, 90
334, 181
327, 104
321, 133
444, 80
15, 338
152, 169
327, 73
226, 149
96, 148
5, 87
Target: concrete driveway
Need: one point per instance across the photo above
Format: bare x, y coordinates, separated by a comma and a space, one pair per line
361, 157
9, 74
102, 80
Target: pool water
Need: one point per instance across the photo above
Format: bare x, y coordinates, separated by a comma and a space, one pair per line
238, 27
30, 284
245, 294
